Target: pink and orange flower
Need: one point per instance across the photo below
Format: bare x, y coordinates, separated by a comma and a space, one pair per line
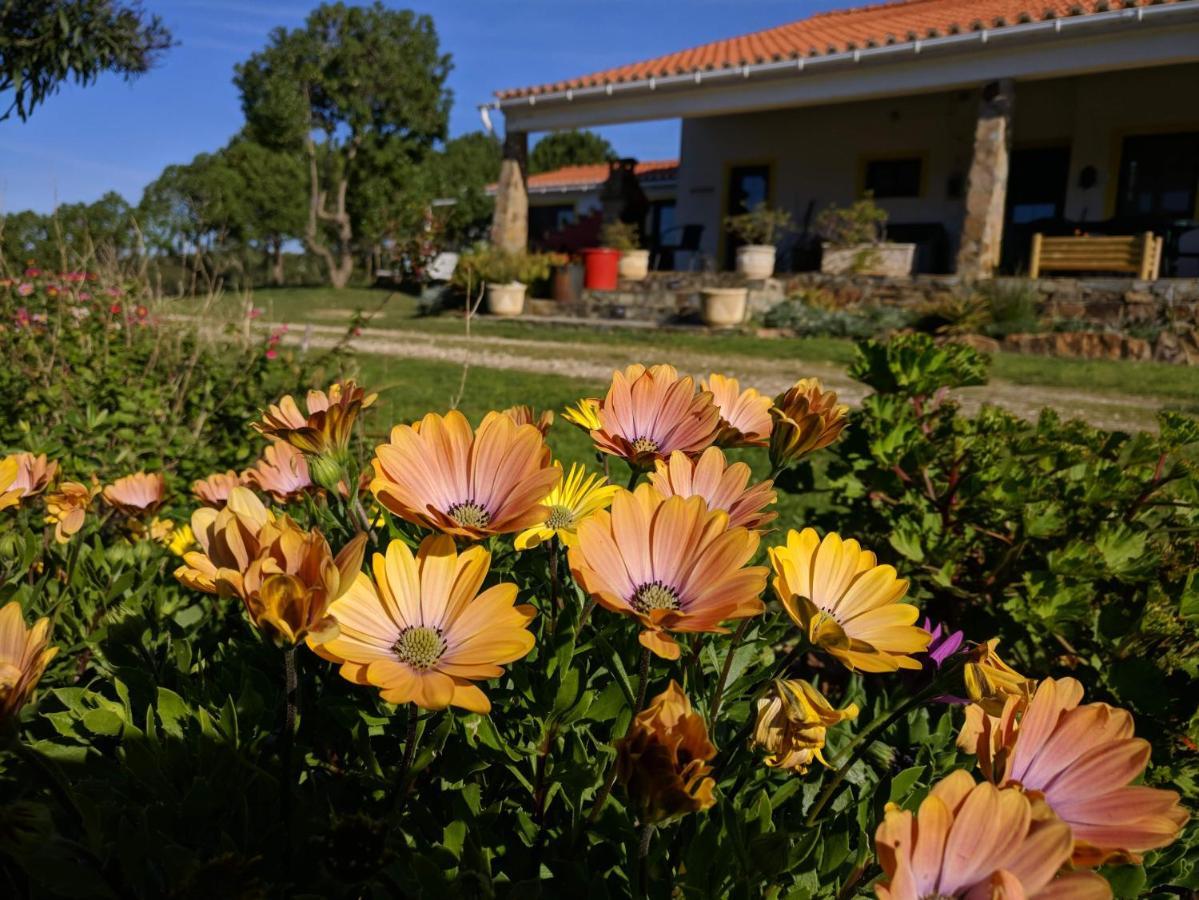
214, 490
744, 415
1082, 759
670, 563
721, 484
282, 472
24, 475
647, 414
137, 495
443, 475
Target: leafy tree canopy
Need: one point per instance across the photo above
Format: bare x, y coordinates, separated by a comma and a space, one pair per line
44, 43
569, 148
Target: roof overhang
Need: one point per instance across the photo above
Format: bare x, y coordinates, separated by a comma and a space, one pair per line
1107, 41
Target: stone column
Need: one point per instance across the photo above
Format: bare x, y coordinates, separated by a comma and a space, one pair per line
510, 222
986, 187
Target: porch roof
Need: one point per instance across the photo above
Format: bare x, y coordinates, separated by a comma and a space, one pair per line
589, 177
866, 54
841, 31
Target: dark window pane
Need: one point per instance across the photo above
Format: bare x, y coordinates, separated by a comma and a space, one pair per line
1159, 175
893, 177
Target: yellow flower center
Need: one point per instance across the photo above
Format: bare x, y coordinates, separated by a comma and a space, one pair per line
645, 445
655, 595
560, 517
469, 514
420, 646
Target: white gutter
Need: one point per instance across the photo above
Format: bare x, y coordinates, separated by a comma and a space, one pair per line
1003, 34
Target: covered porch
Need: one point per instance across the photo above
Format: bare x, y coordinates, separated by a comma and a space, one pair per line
971, 141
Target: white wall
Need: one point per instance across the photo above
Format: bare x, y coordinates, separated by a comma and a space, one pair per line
817, 153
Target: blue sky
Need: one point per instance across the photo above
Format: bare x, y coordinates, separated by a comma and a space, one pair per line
118, 136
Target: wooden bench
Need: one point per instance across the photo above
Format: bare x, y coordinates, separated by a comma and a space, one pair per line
1140, 254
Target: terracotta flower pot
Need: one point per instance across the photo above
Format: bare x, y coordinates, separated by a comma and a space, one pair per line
506, 299
755, 261
634, 265
724, 307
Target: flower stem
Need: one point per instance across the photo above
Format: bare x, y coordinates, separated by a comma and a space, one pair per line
286, 750
634, 474
610, 781
863, 738
647, 837
409, 753
555, 588
718, 693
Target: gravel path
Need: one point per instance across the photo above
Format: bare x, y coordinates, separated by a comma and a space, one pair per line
595, 362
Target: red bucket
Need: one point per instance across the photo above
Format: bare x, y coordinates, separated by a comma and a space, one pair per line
601, 266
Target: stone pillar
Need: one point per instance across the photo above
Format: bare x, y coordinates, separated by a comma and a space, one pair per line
510, 222
986, 187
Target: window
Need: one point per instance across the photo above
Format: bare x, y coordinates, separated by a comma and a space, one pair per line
661, 219
545, 220
749, 186
1159, 175
894, 177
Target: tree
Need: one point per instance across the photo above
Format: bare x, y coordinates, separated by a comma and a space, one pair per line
44, 43
461, 172
569, 148
351, 78
269, 210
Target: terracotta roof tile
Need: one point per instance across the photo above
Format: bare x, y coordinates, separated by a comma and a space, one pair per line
840, 31
584, 177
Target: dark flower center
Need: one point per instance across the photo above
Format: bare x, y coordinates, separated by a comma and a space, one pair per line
655, 595
560, 517
469, 514
645, 445
420, 646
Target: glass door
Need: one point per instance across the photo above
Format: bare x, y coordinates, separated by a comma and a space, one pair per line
748, 186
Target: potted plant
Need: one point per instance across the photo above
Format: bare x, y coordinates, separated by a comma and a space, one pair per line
506, 275
854, 241
624, 236
760, 229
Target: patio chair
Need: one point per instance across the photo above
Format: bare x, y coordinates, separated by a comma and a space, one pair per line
688, 242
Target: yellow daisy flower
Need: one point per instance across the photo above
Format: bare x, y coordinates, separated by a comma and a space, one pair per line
575, 497
584, 414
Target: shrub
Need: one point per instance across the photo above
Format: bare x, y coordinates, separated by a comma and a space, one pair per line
761, 225
485, 264
620, 236
806, 320
863, 222
1013, 306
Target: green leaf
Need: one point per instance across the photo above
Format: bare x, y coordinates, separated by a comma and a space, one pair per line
903, 781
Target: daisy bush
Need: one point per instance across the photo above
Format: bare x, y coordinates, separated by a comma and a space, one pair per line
441, 661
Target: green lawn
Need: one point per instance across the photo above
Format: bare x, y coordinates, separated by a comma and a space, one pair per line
395, 310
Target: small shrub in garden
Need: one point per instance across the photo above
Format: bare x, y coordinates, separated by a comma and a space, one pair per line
620, 236
443, 666
762, 225
806, 320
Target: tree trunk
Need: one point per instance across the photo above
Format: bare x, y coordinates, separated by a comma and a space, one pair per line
339, 264
277, 274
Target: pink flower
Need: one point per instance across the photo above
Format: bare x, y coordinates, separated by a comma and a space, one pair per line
115, 309
32, 273
272, 354
254, 312
25, 289
84, 295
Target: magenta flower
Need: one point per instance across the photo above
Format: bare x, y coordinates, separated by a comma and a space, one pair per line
944, 643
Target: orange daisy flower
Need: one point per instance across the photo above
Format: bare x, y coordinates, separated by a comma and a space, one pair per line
440, 474
1083, 759
214, 490
744, 415
649, 413
422, 632
137, 495
282, 472
846, 603
24, 655
24, 475
229, 541
670, 563
806, 418
721, 484
326, 427
976, 841
67, 508
525, 415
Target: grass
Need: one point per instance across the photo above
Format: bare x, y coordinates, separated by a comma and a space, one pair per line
394, 310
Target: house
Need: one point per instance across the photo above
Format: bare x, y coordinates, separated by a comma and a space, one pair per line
973, 122
572, 194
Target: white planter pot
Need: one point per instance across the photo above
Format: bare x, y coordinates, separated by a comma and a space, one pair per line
723, 307
506, 299
634, 265
892, 260
755, 261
